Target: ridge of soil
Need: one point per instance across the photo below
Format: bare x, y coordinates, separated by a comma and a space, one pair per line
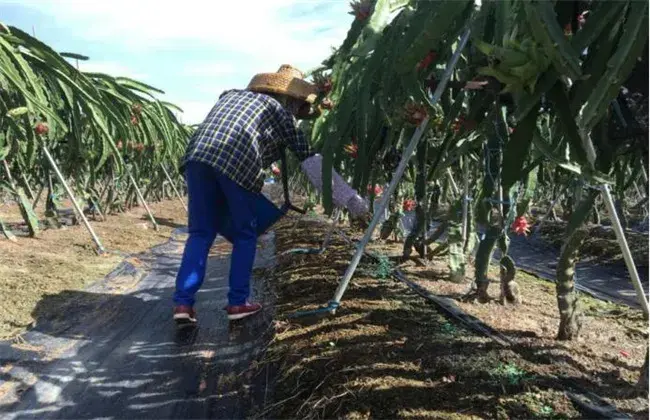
388, 353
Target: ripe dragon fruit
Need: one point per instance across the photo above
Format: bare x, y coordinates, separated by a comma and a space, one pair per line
426, 61
361, 9
325, 86
415, 113
327, 104
378, 190
409, 205
41, 129
520, 226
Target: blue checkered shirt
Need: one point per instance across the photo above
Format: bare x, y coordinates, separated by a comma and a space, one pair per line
243, 134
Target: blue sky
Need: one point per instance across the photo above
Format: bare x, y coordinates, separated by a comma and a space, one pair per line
191, 49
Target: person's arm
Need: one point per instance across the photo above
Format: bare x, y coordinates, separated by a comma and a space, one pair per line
294, 137
342, 194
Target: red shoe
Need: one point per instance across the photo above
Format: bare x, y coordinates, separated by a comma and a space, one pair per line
184, 315
242, 311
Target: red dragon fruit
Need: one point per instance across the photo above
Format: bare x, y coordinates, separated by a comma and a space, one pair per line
377, 189
426, 61
361, 9
408, 205
521, 226
41, 128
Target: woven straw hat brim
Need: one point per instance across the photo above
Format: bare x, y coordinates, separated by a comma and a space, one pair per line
283, 83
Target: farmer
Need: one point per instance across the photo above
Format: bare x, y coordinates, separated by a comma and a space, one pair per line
224, 165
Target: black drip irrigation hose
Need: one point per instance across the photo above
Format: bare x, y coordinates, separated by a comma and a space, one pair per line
590, 404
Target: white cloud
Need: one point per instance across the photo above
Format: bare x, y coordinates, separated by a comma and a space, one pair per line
215, 45
209, 69
111, 68
194, 112
259, 28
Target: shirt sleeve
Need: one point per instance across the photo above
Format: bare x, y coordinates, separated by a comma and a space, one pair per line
294, 137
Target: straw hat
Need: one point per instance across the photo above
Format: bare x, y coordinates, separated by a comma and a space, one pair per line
287, 80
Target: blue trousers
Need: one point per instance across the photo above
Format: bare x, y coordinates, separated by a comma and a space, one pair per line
217, 205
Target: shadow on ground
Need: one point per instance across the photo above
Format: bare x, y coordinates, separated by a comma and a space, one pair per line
115, 352
388, 353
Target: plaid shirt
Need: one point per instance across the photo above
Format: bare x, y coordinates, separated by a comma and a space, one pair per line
243, 134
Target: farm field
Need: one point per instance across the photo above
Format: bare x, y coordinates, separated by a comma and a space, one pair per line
63, 259
501, 272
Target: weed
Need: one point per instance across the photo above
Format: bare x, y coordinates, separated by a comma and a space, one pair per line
511, 373
448, 328
382, 269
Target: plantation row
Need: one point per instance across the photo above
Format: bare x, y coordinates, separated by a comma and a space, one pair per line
108, 141
512, 106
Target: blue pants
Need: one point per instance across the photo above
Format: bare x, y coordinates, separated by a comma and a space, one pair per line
217, 205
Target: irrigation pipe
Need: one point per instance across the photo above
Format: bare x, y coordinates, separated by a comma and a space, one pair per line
406, 156
588, 401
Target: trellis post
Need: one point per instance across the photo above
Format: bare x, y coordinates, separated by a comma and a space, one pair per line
397, 176
616, 224
465, 163
142, 200
169, 178
100, 248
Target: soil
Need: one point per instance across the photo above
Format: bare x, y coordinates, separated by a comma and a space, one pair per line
65, 259
388, 353
607, 356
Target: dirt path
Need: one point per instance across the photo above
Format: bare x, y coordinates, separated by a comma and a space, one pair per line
114, 351
609, 282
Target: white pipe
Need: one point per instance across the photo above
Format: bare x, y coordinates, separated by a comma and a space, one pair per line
465, 198
454, 187
169, 178
141, 197
625, 249
616, 224
397, 176
644, 174
100, 247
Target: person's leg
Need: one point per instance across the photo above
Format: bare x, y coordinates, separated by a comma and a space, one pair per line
202, 189
241, 204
